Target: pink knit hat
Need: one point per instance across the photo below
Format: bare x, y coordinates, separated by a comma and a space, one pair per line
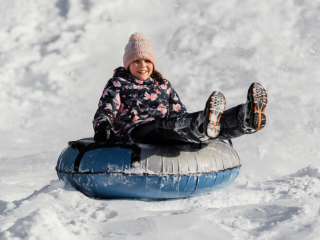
138, 48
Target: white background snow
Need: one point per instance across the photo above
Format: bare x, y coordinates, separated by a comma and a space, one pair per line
56, 57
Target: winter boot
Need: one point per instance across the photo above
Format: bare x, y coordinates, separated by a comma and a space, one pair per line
254, 118
215, 106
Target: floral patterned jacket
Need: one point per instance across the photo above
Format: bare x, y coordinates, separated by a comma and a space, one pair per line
127, 102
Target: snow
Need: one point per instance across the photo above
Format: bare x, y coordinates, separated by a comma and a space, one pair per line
56, 57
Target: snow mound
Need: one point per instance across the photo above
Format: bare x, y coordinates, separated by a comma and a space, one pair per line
310, 171
38, 224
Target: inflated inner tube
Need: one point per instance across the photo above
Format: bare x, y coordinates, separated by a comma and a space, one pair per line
125, 170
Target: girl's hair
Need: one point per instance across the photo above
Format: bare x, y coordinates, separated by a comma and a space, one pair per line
157, 76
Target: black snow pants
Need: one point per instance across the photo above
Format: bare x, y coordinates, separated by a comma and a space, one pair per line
186, 128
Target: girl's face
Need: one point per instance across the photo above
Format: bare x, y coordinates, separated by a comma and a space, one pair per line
141, 69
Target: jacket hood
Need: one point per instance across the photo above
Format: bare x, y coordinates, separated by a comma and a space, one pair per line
122, 73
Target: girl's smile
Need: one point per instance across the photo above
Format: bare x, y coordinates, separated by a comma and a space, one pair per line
141, 69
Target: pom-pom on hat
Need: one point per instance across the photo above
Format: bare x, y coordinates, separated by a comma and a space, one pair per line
138, 48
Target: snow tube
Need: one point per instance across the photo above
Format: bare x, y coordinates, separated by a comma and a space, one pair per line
146, 171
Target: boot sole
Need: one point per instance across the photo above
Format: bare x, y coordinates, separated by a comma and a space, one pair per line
259, 101
216, 105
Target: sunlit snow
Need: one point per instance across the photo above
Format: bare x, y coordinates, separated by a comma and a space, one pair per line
56, 57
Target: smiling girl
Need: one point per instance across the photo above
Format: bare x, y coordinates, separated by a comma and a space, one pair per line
141, 69
139, 105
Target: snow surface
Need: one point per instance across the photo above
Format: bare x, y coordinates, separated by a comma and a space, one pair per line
56, 57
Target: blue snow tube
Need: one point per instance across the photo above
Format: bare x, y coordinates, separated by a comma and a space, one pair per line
125, 170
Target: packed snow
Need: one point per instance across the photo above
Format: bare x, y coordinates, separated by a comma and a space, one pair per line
56, 57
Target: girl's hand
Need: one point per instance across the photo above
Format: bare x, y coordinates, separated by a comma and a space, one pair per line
104, 133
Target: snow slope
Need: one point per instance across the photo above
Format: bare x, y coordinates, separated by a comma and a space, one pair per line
55, 58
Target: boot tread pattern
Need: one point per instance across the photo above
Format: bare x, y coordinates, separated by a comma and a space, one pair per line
260, 100
216, 106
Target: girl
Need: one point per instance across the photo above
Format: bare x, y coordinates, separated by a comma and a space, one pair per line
139, 105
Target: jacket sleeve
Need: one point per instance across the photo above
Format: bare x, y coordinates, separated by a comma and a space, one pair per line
109, 104
176, 107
